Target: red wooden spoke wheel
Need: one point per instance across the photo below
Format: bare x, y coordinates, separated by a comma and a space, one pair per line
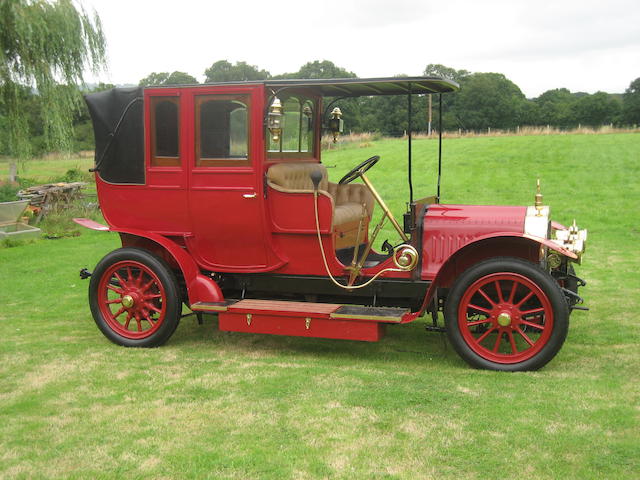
133, 297
505, 317
506, 314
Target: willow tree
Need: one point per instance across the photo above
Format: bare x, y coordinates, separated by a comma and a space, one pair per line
45, 46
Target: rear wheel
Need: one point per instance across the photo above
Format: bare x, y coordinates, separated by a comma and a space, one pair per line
134, 298
506, 314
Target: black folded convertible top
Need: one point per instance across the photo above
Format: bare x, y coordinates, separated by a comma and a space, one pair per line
118, 128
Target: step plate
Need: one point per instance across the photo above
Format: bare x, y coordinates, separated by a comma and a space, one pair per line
374, 314
213, 306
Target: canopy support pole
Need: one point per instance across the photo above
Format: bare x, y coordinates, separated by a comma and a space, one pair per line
439, 144
409, 128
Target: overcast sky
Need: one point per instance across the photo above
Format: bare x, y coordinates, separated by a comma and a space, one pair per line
582, 45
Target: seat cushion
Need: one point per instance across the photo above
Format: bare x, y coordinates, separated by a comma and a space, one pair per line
352, 193
296, 177
347, 212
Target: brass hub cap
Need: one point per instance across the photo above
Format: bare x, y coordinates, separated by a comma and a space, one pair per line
127, 301
504, 319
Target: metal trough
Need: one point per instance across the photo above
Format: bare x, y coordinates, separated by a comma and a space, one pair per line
10, 226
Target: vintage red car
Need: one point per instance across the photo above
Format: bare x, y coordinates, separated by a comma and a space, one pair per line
222, 203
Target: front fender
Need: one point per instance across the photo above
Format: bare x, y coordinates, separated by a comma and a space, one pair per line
509, 244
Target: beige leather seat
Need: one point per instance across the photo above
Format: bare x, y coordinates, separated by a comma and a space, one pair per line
348, 200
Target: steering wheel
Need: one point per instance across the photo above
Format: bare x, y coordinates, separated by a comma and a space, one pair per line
359, 170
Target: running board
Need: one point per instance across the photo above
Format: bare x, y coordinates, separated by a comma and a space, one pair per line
304, 319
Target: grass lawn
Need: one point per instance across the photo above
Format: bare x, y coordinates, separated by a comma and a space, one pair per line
212, 404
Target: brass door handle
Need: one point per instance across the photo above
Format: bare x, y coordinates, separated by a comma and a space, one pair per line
249, 195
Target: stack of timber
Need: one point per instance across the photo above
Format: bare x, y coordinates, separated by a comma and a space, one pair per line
51, 195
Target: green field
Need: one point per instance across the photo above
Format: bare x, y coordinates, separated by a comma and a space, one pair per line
211, 404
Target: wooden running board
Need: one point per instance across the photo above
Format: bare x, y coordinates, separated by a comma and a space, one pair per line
304, 319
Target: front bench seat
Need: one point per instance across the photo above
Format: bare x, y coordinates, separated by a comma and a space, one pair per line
348, 200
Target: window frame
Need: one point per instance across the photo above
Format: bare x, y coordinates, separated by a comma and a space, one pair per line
198, 101
163, 160
302, 98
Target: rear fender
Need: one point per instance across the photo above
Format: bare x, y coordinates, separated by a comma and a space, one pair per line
200, 288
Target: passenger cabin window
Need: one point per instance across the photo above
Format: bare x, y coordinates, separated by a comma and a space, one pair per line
165, 127
222, 130
297, 131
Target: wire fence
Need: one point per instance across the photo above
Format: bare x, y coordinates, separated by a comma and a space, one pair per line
366, 138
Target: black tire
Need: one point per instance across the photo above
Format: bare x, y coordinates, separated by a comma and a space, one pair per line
135, 276
487, 326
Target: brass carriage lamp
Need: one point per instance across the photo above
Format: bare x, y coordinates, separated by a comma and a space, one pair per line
275, 119
336, 124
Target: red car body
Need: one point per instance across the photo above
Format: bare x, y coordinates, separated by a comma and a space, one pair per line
213, 213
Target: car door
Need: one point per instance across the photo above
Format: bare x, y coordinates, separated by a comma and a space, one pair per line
226, 202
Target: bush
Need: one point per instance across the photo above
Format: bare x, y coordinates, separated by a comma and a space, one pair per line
76, 175
8, 191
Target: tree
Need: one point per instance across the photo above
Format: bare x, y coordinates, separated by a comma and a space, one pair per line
319, 69
45, 45
438, 70
449, 119
165, 78
597, 109
631, 103
556, 107
489, 100
223, 71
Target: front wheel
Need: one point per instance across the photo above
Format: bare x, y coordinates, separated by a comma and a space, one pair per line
134, 298
506, 314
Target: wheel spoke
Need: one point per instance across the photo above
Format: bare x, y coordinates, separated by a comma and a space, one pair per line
525, 336
120, 279
119, 312
138, 322
139, 279
482, 309
535, 310
129, 274
113, 288
155, 295
115, 300
481, 292
526, 297
497, 344
151, 306
127, 321
531, 324
147, 285
485, 335
513, 291
478, 322
499, 290
512, 341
